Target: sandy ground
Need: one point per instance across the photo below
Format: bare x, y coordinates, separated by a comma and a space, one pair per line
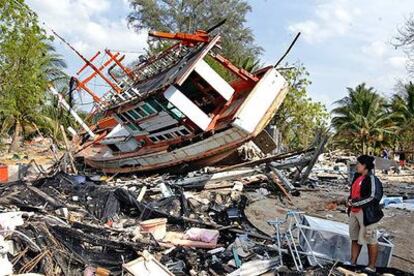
41, 158
330, 204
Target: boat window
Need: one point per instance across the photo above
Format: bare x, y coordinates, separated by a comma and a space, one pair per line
134, 114
141, 113
156, 105
153, 139
133, 127
148, 108
172, 134
160, 137
177, 114
168, 135
123, 118
141, 143
129, 117
184, 131
162, 104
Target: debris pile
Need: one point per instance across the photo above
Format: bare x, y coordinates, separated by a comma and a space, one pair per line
209, 222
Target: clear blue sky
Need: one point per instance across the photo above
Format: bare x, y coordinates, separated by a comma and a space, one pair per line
343, 42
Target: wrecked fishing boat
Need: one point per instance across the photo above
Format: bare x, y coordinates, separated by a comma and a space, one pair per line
185, 106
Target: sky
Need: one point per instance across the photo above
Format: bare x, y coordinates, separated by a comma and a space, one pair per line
343, 42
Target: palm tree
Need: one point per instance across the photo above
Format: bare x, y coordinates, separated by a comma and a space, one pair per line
28, 64
52, 65
362, 120
248, 63
403, 106
50, 116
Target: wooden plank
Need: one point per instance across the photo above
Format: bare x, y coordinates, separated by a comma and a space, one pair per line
276, 181
45, 196
68, 150
264, 160
291, 163
318, 151
265, 142
216, 177
283, 178
214, 80
183, 76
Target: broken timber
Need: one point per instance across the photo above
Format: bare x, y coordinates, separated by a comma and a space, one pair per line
264, 160
276, 181
323, 140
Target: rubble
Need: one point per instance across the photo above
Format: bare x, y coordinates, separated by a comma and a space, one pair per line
234, 220
147, 265
166, 114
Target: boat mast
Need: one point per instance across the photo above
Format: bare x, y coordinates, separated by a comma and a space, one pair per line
97, 71
72, 112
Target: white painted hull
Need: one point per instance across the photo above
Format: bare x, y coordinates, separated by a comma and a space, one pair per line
253, 115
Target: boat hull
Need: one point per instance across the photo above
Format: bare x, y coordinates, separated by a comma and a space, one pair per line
252, 117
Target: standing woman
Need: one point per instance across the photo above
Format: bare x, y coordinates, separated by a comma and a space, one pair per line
364, 211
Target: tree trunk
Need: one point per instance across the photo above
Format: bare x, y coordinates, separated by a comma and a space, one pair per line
364, 147
15, 144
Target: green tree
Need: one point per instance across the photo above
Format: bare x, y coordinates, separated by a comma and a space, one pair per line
51, 117
402, 105
299, 118
27, 64
362, 121
53, 65
248, 63
190, 15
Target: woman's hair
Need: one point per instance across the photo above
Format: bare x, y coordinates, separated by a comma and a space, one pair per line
367, 160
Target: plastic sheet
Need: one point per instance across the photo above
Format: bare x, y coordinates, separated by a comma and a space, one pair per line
6, 267
9, 220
